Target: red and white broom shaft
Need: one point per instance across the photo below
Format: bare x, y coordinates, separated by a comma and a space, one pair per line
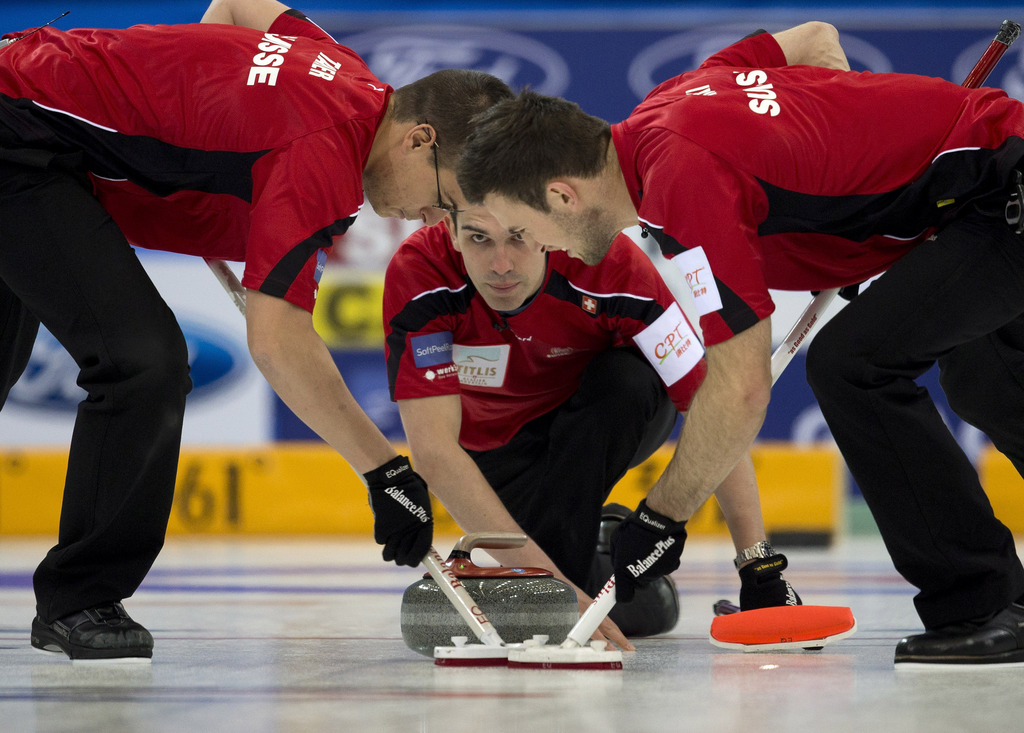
452, 587
812, 315
580, 634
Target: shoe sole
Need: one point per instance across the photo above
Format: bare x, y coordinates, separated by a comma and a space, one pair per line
99, 661
46, 641
1006, 660
958, 666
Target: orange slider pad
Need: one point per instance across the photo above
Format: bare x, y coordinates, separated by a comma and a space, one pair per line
782, 627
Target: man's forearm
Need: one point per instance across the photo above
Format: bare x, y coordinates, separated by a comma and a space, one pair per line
298, 366
459, 485
724, 418
741, 505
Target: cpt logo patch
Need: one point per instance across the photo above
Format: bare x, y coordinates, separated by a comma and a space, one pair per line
671, 345
693, 263
431, 349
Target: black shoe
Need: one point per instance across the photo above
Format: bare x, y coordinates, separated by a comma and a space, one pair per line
103, 632
997, 640
655, 605
762, 584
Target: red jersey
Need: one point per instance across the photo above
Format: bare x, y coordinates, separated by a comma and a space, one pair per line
210, 140
442, 338
756, 175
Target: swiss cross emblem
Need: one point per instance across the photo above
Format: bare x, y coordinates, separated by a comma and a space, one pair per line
589, 304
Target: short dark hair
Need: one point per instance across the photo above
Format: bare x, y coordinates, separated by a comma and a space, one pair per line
448, 100
518, 145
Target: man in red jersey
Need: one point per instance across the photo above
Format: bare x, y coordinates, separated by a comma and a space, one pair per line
796, 177
252, 140
529, 383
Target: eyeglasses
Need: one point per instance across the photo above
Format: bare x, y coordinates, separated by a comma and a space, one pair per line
446, 208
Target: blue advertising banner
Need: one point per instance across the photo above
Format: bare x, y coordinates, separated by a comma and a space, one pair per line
607, 71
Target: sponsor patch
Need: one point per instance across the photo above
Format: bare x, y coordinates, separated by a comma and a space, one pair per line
431, 349
321, 263
693, 263
481, 366
671, 345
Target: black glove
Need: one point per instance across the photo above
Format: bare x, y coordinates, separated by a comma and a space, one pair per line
645, 547
402, 520
762, 584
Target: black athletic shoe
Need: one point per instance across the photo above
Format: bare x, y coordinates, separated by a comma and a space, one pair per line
762, 584
103, 632
998, 640
655, 605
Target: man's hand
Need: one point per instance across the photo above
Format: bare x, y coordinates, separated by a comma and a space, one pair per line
402, 520
645, 546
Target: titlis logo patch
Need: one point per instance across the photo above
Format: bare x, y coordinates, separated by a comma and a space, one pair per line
643, 565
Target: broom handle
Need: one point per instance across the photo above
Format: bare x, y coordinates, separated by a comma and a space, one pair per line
452, 587
599, 608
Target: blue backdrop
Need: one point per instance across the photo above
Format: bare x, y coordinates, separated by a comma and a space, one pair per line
604, 56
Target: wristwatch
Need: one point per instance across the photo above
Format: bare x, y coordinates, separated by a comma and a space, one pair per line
754, 552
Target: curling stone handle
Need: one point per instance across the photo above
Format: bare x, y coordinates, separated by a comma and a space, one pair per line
461, 600
490, 541
579, 635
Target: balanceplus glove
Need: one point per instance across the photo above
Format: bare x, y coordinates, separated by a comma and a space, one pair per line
762, 584
645, 547
402, 520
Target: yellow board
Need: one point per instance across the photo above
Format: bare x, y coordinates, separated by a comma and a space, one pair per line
306, 488
1005, 488
31, 484
349, 310
300, 488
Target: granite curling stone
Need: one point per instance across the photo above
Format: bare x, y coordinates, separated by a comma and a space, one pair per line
519, 602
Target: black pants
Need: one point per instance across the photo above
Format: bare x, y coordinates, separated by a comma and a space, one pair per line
65, 263
557, 471
956, 300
